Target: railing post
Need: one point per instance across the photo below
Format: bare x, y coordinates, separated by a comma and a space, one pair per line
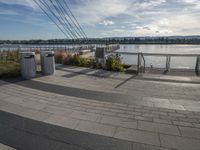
139, 63
168, 62
197, 66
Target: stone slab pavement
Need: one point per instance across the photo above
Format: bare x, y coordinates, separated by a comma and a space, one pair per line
5, 147
165, 115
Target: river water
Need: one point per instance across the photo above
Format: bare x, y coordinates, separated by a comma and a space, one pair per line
176, 62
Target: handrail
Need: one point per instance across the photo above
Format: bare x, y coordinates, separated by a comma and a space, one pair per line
158, 54
168, 59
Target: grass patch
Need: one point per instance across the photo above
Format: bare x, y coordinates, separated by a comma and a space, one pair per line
9, 69
9, 64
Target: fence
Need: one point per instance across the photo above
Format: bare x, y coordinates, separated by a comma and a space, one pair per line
141, 63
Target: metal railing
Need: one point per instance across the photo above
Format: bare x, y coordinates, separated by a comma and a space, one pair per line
141, 63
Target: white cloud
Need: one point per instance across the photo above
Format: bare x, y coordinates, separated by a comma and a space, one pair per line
195, 3
92, 12
129, 17
8, 12
107, 22
28, 3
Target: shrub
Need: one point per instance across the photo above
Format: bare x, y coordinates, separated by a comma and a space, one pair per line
59, 56
9, 69
79, 61
68, 59
9, 56
113, 63
76, 60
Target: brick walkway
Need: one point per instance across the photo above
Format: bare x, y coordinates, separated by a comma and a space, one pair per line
161, 114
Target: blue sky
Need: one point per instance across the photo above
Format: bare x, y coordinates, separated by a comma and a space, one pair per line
22, 19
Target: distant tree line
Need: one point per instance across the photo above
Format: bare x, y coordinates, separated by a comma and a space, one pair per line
137, 40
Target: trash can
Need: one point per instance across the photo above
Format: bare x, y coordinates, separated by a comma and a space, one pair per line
47, 62
28, 65
100, 55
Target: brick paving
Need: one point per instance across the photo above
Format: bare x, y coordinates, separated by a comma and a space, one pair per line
161, 114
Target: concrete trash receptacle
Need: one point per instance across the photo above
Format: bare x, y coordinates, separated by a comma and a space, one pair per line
47, 62
28, 65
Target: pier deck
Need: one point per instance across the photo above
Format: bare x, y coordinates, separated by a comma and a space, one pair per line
84, 109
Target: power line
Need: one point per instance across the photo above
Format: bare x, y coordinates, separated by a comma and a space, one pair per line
81, 29
72, 24
70, 33
57, 13
62, 15
51, 19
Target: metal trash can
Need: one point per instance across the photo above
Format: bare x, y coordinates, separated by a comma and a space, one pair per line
100, 55
47, 62
28, 65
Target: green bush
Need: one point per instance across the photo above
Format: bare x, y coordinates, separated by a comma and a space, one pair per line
79, 61
113, 63
76, 60
9, 69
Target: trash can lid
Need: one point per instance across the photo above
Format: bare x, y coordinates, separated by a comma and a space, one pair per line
47, 52
26, 53
32, 53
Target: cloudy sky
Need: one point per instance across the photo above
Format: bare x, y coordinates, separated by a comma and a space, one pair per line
22, 19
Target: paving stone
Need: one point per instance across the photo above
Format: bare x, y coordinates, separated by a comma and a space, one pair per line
143, 118
57, 110
116, 121
179, 143
150, 115
125, 115
137, 136
188, 120
96, 128
85, 116
169, 117
180, 123
12, 108
176, 115
3, 95
3, 103
108, 113
190, 132
14, 100
5, 147
62, 121
158, 127
34, 105
35, 114
197, 125
165, 121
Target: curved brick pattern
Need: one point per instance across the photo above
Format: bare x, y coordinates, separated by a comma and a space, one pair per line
153, 113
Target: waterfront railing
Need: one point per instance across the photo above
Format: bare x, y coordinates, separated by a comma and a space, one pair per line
141, 61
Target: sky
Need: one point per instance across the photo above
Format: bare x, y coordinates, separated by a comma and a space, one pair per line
24, 20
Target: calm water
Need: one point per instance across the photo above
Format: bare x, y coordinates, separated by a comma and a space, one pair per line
176, 62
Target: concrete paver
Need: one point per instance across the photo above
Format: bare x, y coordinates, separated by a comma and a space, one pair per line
158, 127
96, 128
5, 147
179, 143
163, 114
137, 136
